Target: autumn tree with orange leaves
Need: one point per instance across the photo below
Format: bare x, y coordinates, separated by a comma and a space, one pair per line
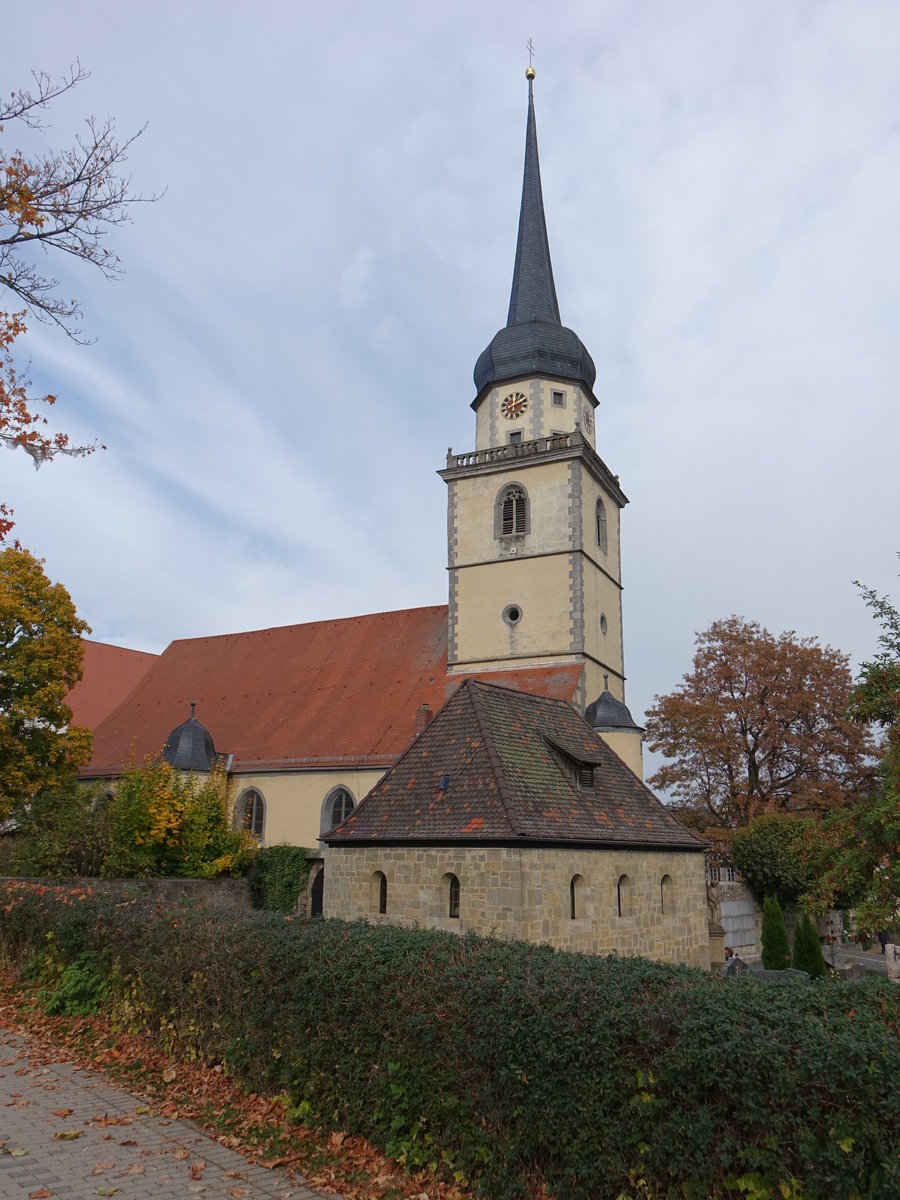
759, 725
61, 200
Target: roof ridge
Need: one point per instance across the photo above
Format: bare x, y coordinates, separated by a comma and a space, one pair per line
484, 729
236, 633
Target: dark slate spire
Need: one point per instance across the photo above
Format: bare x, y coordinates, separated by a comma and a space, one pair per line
534, 341
533, 295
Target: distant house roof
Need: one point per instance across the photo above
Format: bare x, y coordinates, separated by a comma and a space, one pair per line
323, 694
497, 765
110, 672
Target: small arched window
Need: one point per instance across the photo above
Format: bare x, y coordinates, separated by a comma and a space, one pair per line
666, 896
511, 511
602, 539
337, 807
251, 813
623, 896
453, 908
379, 892
576, 897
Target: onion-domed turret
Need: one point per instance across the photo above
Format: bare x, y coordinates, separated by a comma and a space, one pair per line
534, 341
189, 747
608, 715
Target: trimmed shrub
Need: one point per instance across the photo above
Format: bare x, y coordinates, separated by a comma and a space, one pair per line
808, 954
507, 1063
775, 952
277, 877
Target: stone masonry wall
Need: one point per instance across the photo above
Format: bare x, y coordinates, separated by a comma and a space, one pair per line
527, 894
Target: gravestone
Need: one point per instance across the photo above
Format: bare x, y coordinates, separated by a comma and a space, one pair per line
892, 960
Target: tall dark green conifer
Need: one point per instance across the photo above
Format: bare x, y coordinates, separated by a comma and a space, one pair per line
808, 954
775, 953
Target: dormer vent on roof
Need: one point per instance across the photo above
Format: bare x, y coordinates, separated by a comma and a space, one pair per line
189, 747
534, 340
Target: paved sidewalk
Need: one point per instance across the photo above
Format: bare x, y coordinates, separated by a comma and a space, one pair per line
65, 1132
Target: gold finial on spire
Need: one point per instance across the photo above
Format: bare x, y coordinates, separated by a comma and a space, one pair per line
529, 70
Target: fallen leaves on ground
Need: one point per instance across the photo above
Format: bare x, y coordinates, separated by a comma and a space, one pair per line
256, 1126
40, 1194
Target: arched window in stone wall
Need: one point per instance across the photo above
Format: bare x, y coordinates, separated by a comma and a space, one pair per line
602, 539
250, 811
378, 890
666, 896
624, 896
453, 896
336, 807
511, 511
576, 897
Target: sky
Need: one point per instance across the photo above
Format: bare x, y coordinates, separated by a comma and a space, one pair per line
280, 372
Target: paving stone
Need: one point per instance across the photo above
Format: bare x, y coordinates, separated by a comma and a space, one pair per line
95, 1163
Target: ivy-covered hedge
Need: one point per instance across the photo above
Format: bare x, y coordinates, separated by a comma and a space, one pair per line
505, 1063
277, 876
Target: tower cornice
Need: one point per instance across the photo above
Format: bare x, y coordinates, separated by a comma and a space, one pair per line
558, 447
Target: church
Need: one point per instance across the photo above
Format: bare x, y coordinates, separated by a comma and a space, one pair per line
470, 765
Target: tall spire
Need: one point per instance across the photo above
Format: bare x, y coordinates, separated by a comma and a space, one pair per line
533, 295
533, 341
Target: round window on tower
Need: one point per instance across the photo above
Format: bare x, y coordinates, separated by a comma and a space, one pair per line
512, 614
604, 624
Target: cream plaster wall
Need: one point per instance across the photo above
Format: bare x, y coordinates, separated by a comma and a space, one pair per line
524, 893
540, 418
547, 487
294, 800
629, 747
540, 586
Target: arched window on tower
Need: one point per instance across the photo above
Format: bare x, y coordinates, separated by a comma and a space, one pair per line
511, 511
602, 540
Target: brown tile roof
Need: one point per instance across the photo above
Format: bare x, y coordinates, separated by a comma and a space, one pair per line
510, 763
327, 693
110, 672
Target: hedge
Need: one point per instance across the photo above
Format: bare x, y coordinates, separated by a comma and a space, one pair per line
506, 1063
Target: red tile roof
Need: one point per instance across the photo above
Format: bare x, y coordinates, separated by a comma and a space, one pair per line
509, 765
322, 694
110, 672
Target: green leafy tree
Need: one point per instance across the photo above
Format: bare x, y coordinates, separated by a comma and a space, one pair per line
63, 832
759, 725
40, 661
808, 954
164, 822
775, 953
770, 854
862, 843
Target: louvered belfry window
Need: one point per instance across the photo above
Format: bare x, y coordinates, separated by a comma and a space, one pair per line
586, 775
514, 511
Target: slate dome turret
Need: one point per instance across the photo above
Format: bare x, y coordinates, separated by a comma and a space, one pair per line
189, 747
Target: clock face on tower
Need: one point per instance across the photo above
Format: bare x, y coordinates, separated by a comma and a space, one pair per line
513, 405
588, 418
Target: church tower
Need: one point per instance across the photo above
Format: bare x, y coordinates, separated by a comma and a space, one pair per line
533, 512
